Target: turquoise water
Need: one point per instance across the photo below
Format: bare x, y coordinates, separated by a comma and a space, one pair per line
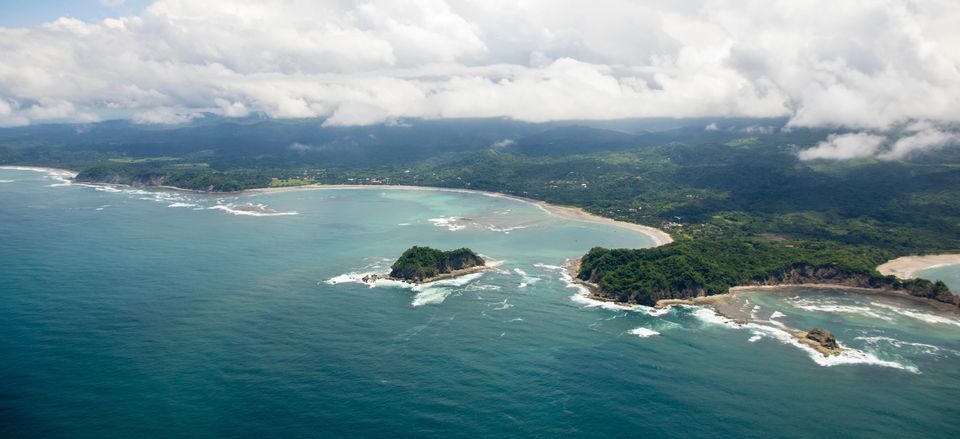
950, 275
123, 316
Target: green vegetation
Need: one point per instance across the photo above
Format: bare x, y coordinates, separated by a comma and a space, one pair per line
418, 264
130, 160
737, 186
706, 267
289, 182
177, 175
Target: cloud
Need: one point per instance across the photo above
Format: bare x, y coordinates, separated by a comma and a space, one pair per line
503, 143
915, 139
757, 129
711, 127
925, 139
845, 147
301, 147
163, 116
867, 65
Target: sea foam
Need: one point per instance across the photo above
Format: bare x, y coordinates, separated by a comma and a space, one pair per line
426, 294
253, 210
830, 306
643, 332
922, 316
848, 356
452, 223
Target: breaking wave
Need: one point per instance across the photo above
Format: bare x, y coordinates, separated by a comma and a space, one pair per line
643, 332
821, 305
922, 316
426, 294
451, 223
848, 356
250, 209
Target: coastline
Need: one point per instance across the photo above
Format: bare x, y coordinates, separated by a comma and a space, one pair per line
907, 267
903, 267
755, 289
722, 303
659, 237
59, 171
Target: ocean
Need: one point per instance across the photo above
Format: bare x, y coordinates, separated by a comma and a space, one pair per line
151, 313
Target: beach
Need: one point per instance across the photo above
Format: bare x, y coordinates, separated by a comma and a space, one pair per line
659, 237
908, 266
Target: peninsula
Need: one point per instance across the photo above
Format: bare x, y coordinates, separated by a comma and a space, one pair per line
688, 270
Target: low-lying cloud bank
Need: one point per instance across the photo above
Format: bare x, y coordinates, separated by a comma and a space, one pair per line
867, 65
913, 139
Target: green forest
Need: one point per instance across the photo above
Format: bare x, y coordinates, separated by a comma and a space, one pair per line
417, 264
706, 267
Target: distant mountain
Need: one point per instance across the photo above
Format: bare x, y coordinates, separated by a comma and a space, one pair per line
574, 139
269, 142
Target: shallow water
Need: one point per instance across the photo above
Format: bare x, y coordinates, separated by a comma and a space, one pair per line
949, 274
149, 314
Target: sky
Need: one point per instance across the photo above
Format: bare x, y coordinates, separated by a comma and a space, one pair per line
873, 67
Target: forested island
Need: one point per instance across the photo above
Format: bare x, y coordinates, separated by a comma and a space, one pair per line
698, 268
425, 264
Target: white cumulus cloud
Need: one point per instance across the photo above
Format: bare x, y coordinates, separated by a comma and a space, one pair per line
926, 139
845, 147
861, 64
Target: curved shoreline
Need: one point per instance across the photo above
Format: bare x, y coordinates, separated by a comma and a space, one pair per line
907, 267
657, 236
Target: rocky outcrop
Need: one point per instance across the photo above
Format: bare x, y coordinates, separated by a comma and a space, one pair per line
821, 340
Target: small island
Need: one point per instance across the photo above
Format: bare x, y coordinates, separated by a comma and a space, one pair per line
425, 264
821, 340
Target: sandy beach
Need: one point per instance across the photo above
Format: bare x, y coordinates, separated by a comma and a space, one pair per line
659, 237
908, 266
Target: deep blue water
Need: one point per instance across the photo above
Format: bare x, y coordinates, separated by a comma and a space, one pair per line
121, 316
